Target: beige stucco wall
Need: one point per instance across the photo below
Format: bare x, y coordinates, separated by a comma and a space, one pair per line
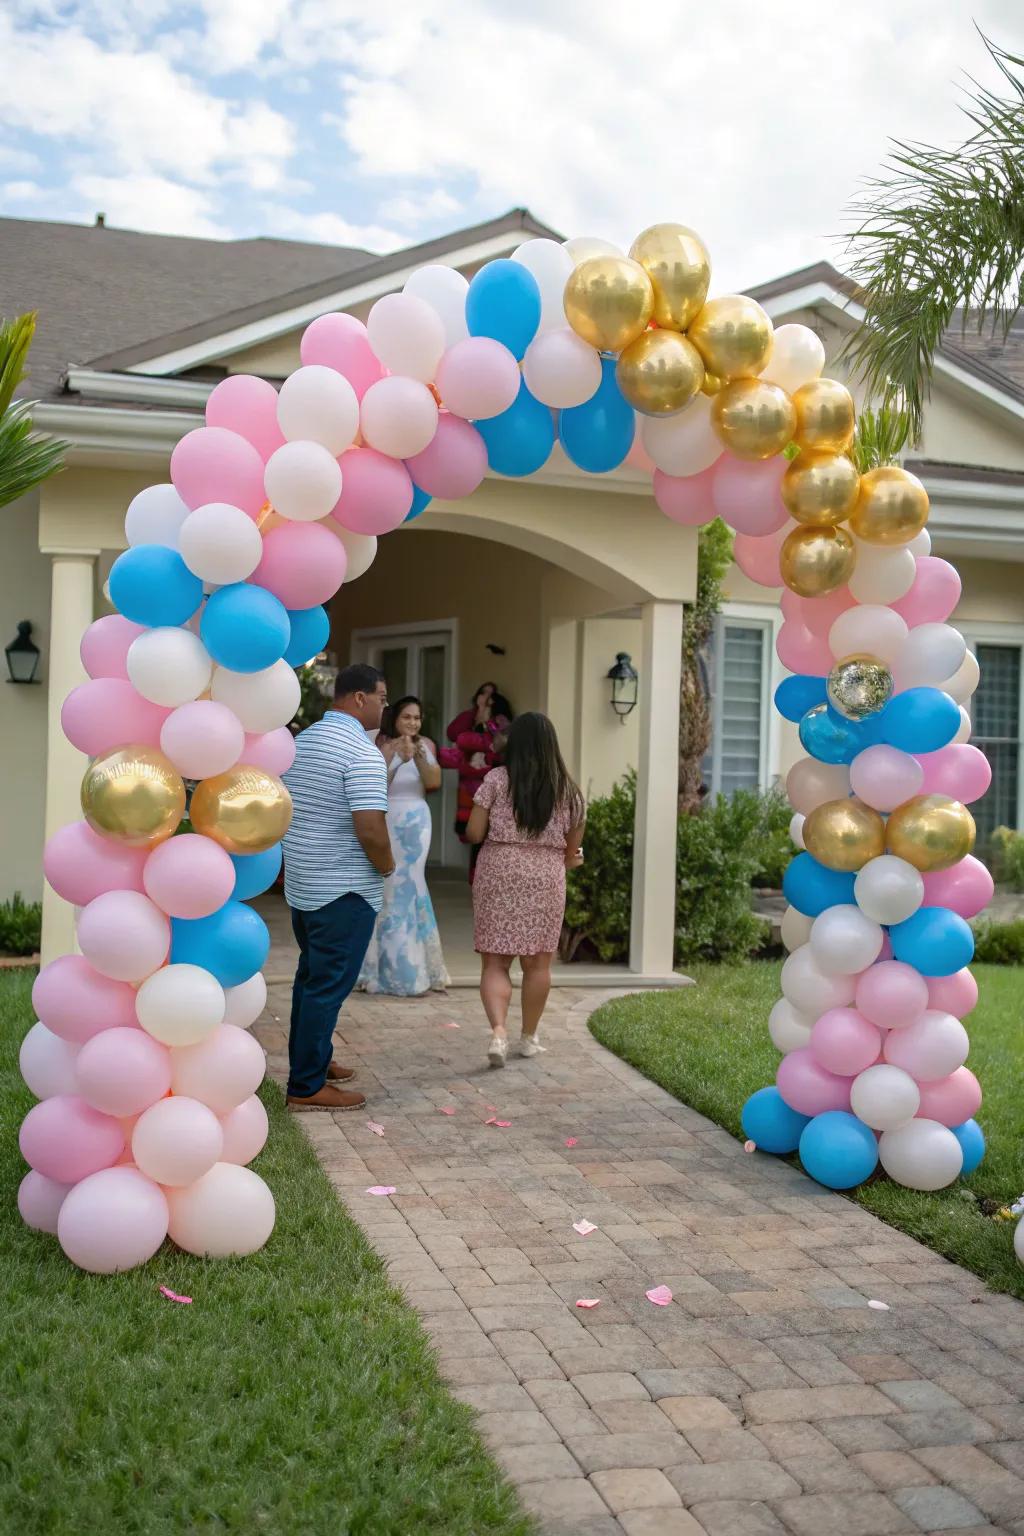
24, 594
993, 591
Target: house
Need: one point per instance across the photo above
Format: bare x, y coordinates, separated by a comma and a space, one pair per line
538, 585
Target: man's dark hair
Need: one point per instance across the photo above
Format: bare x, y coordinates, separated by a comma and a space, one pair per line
359, 678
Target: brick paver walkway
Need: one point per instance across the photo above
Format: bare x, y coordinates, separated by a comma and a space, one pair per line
768, 1398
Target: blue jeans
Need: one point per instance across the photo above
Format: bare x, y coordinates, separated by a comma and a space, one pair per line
332, 945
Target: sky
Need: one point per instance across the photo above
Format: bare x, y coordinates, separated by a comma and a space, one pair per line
386, 122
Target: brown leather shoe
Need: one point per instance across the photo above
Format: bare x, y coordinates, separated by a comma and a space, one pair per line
336, 1073
328, 1098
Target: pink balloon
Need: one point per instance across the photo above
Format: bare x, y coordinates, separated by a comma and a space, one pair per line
934, 594
245, 1131
817, 614
956, 994
936, 1043
341, 342
801, 651
76, 1002
213, 464
303, 564
452, 465
113, 1221
177, 1140
639, 458
202, 739
106, 713
104, 648
80, 864
274, 751
960, 771
376, 492
247, 405
40, 1200
891, 994
965, 888
807, 1087
478, 378
65, 1139
123, 1071
950, 1100
884, 777
759, 558
222, 1070
686, 499
885, 953
189, 876
746, 494
124, 935
843, 1041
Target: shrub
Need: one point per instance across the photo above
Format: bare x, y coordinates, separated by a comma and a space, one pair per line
776, 845
21, 926
1007, 857
599, 894
999, 943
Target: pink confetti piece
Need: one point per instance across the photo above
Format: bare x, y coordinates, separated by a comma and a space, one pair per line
592, 1302
382, 1189
879, 1306
490, 1106
583, 1227
375, 1126
750, 1146
570, 1141
503, 1124
186, 1301
446, 1109
451, 1024
660, 1295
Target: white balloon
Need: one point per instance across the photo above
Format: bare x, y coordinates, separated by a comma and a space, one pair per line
229, 1211
180, 1004
888, 889
220, 543
790, 1030
844, 941
155, 516
319, 405
407, 335
221, 1070
169, 666
561, 369
244, 1004
966, 727
932, 1047
303, 479
881, 575
40, 1200
47, 1063
1018, 1241
795, 928
263, 701
964, 682
930, 656
683, 444
796, 829
551, 265
921, 543
884, 1097
869, 629
808, 988
583, 247
798, 356
361, 549
921, 1155
444, 289
399, 417
810, 784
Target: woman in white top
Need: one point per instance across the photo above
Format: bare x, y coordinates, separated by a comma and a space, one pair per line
404, 958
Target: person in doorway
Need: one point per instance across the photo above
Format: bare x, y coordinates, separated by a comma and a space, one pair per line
476, 736
527, 819
404, 958
337, 855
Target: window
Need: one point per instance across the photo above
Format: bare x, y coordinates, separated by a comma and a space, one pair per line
739, 676
996, 717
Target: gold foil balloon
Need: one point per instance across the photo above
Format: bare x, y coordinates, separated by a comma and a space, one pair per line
679, 267
820, 488
659, 373
712, 384
133, 795
859, 686
931, 832
609, 301
844, 834
825, 416
244, 810
892, 506
733, 335
753, 419
814, 561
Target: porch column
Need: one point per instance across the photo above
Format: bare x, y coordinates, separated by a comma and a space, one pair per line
71, 611
654, 846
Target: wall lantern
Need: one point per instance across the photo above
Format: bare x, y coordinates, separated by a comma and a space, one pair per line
623, 678
22, 656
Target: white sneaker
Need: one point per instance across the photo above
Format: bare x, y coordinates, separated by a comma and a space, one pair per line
530, 1046
497, 1050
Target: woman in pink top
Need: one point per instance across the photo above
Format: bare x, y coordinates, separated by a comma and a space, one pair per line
528, 816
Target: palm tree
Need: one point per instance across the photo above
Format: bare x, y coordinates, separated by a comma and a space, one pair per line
26, 459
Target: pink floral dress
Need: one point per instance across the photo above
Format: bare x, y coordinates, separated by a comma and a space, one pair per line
519, 890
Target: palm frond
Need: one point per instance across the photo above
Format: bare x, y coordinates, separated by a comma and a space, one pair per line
26, 459
15, 339
882, 435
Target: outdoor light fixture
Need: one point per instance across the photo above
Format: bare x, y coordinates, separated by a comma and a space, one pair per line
623, 678
22, 656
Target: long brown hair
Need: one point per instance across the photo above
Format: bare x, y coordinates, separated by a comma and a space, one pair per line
538, 778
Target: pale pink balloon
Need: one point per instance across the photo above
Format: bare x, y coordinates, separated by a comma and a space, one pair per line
74, 1001
376, 492
213, 464
884, 777
807, 1087
341, 342
177, 1140
65, 1139
845, 1042
885, 953
452, 465
817, 614
686, 499
202, 739
960, 771
891, 994
40, 1200
189, 876
245, 1131
123, 1071
303, 564
274, 751
950, 1100
966, 888
247, 405
639, 458
106, 713
746, 494
124, 935
478, 378
930, 1049
80, 864
956, 994
221, 1070
801, 651
47, 1063
113, 1221
934, 594
759, 558
104, 648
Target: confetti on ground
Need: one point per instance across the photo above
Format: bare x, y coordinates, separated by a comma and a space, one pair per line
451, 1024
446, 1109
186, 1301
375, 1126
503, 1124
660, 1295
879, 1306
490, 1106
750, 1146
593, 1302
382, 1189
570, 1141
583, 1227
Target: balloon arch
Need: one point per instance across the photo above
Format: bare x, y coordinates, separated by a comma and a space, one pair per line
142, 1060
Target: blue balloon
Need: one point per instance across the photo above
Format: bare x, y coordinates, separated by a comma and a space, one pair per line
934, 941
520, 440
245, 628
838, 1150
796, 695
503, 302
767, 1119
420, 502
310, 632
829, 737
920, 720
599, 434
151, 584
232, 943
972, 1142
255, 872
811, 888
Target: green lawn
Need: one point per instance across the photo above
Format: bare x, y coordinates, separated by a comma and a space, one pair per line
296, 1396
709, 1045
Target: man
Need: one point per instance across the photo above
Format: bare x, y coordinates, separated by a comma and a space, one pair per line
336, 856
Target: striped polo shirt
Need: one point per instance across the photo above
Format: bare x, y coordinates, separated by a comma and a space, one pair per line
337, 770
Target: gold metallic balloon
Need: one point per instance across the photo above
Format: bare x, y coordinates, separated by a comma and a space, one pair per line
825, 416
814, 561
659, 373
244, 810
734, 336
679, 267
712, 384
133, 795
892, 506
820, 489
859, 686
844, 834
931, 832
752, 418
609, 301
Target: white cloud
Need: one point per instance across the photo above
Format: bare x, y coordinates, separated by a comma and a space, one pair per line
22, 192
411, 209
332, 229
150, 203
